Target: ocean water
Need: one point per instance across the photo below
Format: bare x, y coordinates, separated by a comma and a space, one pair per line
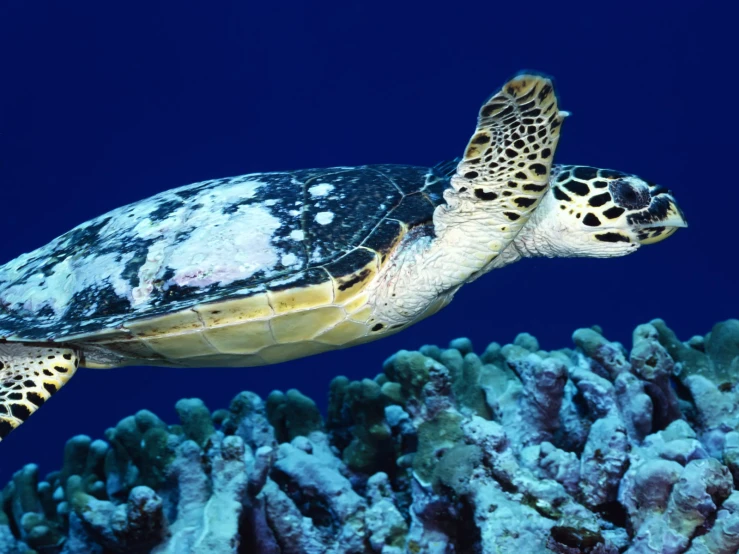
104, 104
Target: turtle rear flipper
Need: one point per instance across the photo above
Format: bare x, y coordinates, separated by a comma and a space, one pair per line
29, 375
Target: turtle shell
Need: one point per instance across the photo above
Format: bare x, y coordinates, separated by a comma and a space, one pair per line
212, 241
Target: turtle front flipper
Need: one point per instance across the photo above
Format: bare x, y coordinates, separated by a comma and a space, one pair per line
29, 375
507, 162
498, 183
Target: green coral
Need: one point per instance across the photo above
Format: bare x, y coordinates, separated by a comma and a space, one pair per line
141, 449
435, 437
247, 418
39, 527
410, 370
415, 380
356, 418
76, 452
694, 360
197, 423
158, 454
292, 415
722, 347
371, 446
466, 371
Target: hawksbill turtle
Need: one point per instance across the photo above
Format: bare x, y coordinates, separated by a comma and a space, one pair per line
268, 267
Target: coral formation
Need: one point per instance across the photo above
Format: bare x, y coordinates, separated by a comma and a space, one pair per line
592, 449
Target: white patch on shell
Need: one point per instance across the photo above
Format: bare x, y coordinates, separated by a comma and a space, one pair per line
218, 248
221, 248
244, 247
324, 218
232, 192
289, 259
297, 234
321, 189
68, 277
147, 273
317, 255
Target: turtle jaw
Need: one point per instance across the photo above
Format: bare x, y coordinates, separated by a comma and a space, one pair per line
670, 219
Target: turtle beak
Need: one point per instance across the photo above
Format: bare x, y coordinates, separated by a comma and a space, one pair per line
666, 218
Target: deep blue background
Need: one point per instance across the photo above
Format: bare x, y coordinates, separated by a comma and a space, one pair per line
105, 103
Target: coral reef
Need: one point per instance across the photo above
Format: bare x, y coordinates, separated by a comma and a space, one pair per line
592, 449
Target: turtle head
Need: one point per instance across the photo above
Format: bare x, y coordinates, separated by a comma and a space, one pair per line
600, 213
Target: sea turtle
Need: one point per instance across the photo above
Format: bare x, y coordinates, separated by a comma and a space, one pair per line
267, 267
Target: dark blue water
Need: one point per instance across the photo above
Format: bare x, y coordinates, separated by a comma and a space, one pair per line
101, 106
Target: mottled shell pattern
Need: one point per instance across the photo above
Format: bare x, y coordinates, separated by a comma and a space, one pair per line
222, 239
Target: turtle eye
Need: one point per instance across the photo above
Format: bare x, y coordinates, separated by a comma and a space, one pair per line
628, 196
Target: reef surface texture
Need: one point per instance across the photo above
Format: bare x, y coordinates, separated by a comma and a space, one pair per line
512, 450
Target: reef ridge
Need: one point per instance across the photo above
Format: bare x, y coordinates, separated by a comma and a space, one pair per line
591, 449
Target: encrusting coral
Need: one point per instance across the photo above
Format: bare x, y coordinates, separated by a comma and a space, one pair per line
592, 449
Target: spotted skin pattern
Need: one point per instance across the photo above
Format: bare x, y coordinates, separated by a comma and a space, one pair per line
606, 198
509, 157
505, 169
29, 375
